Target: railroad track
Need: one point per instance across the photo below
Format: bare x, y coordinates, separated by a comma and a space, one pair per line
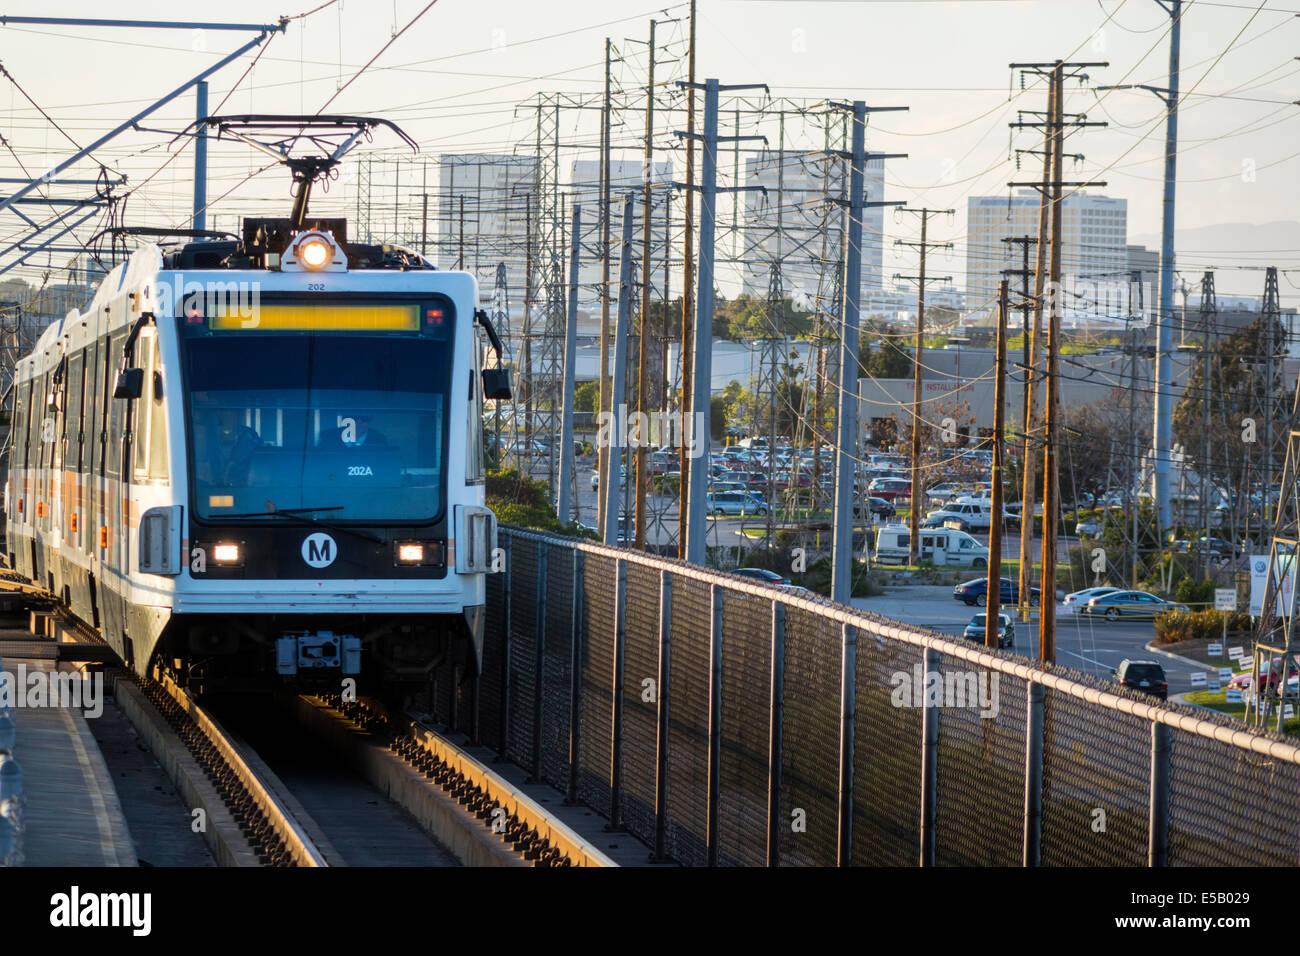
246, 821
253, 819
502, 810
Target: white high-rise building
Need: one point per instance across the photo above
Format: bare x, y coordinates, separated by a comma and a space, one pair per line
625, 177
493, 188
787, 221
1094, 249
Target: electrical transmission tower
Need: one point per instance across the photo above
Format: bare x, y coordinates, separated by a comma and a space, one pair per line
765, 396
1275, 638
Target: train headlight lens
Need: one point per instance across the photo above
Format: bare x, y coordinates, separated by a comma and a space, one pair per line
410, 552
226, 553
314, 253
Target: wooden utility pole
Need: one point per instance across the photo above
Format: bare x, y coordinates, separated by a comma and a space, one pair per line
918, 493
643, 345
1027, 451
1051, 487
994, 589
688, 287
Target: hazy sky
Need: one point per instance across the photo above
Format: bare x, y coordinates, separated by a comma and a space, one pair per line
454, 78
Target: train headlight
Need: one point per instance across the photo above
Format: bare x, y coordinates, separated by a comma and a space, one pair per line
414, 553
314, 253
226, 554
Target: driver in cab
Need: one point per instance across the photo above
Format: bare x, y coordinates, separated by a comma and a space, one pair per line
354, 431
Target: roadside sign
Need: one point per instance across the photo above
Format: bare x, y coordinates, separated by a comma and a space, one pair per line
1225, 599
1288, 710
1235, 653
1225, 673
1213, 683
1233, 695
1198, 679
1214, 650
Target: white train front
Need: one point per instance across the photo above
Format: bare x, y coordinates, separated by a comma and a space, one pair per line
257, 467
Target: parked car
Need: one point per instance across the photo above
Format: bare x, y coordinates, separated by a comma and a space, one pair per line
1147, 676
622, 476
890, 489
763, 575
944, 491
734, 503
1077, 599
975, 593
1088, 528
1129, 604
975, 630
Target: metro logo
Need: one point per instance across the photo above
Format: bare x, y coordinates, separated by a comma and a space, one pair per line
319, 550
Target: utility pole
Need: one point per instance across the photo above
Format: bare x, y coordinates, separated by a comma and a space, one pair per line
564, 493
201, 156
846, 445
1164, 394
642, 491
610, 485
702, 362
1051, 484
918, 493
602, 453
526, 347
994, 589
1053, 125
688, 286
424, 225
460, 258
1209, 320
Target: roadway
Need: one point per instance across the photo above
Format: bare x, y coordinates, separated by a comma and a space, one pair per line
1083, 643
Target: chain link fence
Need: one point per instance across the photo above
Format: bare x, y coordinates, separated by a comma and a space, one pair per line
728, 723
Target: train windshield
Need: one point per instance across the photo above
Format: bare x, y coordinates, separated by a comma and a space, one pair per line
351, 424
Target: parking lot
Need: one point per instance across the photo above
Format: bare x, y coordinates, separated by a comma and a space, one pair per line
1083, 643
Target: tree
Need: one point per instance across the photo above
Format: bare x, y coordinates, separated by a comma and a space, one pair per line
586, 396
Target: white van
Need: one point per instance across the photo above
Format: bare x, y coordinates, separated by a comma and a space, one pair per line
977, 512
942, 547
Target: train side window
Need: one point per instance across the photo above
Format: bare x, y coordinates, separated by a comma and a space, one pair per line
74, 388
153, 391
140, 417
115, 409
20, 425
474, 465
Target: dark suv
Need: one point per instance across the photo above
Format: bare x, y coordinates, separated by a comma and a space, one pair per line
1145, 676
975, 592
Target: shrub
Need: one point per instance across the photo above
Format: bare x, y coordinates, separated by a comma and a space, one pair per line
1174, 626
1194, 591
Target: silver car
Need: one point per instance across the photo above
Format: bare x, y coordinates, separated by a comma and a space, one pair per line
1129, 604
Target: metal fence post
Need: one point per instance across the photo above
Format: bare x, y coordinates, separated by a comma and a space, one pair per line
578, 621
775, 727
848, 717
506, 702
616, 709
1032, 849
1162, 743
715, 719
661, 697
539, 659
929, 763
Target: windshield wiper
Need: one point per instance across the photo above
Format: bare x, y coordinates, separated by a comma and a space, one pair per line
296, 514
